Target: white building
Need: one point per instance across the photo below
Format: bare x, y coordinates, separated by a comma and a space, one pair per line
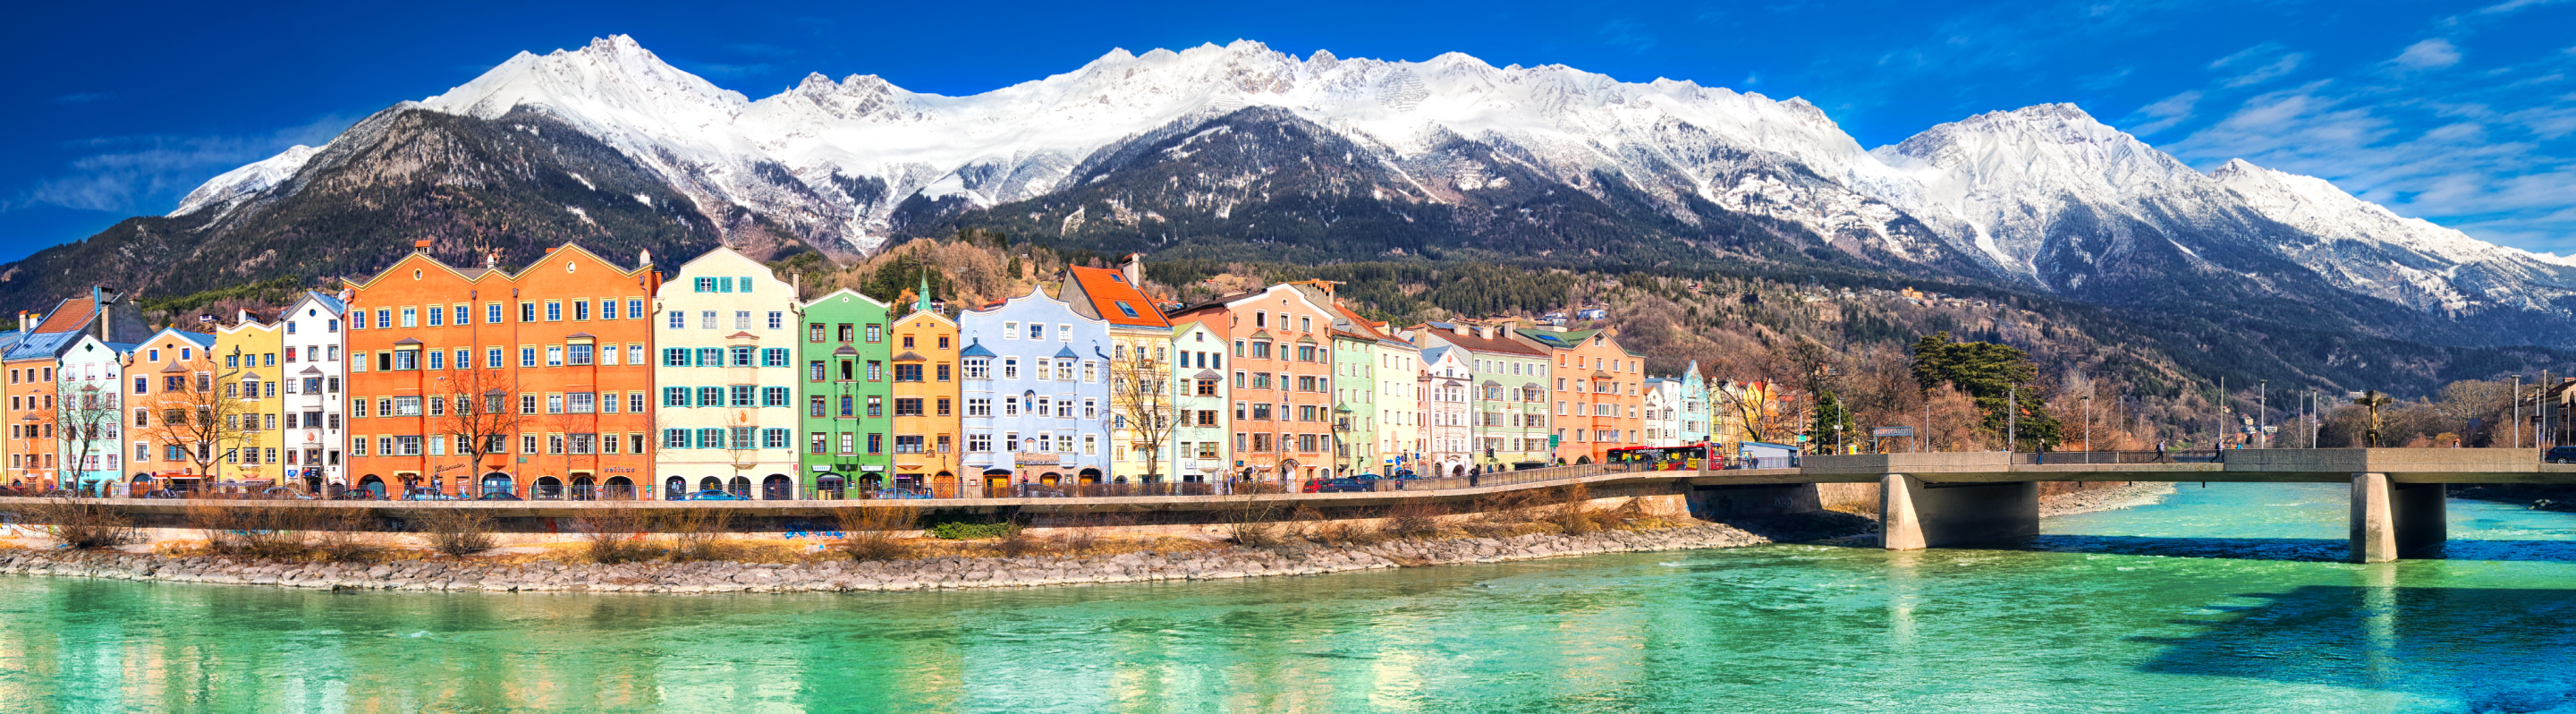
1663, 421
311, 374
727, 377
1445, 382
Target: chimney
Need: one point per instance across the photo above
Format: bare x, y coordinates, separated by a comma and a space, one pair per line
98, 307
1485, 331
420, 246
1458, 327
1134, 268
492, 259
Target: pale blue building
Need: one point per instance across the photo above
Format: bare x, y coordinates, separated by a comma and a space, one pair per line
1036, 393
1695, 410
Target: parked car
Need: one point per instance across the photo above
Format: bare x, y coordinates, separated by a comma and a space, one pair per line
161, 493
428, 494
1339, 485
2560, 455
499, 496
717, 494
897, 493
357, 494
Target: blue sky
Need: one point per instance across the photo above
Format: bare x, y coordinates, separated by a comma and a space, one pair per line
2463, 114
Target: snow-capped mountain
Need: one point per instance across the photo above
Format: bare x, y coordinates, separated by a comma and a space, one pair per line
2045, 196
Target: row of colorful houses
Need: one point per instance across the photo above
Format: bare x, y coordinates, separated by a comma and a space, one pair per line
577, 377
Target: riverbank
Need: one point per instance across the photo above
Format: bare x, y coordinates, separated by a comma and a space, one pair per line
2141, 493
821, 573
1221, 563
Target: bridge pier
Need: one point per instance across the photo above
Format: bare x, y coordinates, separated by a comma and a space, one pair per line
2391, 520
1914, 515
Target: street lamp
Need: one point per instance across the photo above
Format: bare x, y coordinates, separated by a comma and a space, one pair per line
2263, 411
2088, 420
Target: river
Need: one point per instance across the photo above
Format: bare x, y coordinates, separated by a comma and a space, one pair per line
2224, 598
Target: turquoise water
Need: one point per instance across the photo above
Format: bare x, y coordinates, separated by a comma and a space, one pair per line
2221, 599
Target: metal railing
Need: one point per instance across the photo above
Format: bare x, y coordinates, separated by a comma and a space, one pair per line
2062, 458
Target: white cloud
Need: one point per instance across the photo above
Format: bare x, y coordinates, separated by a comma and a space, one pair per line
2258, 64
2434, 53
138, 175
2162, 115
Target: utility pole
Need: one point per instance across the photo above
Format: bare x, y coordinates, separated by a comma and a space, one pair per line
2517, 411
2012, 418
2088, 420
2263, 411
2219, 440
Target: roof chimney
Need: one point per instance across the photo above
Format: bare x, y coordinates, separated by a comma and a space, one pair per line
98, 309
1134, 269
420, 246
1485, 331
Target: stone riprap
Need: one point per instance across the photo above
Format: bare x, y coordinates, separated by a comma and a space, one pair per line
445, 574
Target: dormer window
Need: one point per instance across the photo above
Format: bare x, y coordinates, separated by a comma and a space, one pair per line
1123, 307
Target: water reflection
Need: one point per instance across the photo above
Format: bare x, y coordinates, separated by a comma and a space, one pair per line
2108, 626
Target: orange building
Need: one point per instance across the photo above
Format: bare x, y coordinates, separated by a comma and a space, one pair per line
546, 371
1599, 388
925, 405
32, 361
1281, 380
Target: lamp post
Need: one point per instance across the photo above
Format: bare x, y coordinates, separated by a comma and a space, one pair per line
2517, 411
2088, 420
2263, 411
1341, 428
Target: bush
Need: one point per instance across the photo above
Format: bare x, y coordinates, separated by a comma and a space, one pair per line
454, 531
79, 524
268, 532
871, 533
345, 536
698, 533
615, 534
974, 531
1412, 520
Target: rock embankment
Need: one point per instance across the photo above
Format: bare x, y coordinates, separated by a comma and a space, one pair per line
2107, 499
442, 574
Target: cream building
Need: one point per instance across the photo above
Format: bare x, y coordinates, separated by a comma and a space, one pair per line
726, 377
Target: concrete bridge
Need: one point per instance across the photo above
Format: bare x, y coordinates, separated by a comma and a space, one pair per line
1933, 500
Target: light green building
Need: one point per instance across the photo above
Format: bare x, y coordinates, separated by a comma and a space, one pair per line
845, 389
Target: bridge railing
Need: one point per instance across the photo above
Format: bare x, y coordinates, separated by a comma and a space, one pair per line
2061, 458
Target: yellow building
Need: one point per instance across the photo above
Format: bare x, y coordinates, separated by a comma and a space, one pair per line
248, 352
925, 412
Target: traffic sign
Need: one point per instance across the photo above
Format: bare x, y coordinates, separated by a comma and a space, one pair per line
1886, 431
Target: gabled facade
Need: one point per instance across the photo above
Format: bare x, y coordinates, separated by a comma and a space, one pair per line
1044, 402
34, 361
549, 366
313, 372
1282, 382
89, 415
726, 334
1139, 350
1199, 439
1694, 409
1446, 382
249, 349
172, 375
924, 412
846, 390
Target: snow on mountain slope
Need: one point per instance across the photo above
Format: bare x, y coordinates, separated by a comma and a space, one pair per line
2374, 250
2045, 194
252, 178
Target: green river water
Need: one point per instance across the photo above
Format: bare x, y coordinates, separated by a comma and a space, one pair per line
2225, 598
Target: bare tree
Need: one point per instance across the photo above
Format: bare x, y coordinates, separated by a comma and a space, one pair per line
85, 415
480, 416
1141, 393
191, 413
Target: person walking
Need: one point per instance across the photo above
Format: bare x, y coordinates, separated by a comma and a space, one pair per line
2160, 451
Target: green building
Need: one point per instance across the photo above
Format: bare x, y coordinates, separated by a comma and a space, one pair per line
846, 391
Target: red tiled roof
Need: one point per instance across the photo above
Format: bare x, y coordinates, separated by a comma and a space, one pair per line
72, 314
1107, 287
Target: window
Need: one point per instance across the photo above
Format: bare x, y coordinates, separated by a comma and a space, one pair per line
773, 357
1124, 308
707, 320
742, 319
740, 395
492, 313
814, 332
608, 311
527, 312
492, 357
979, 443
705, 285
773, 396
907, 406
527, 357
979, 368
814, 407
635, 311
635, 405
577, 354
907, 444
679, 320
711, 396
777, 320
581, 310
876, 370
675, 396
675, 438
554, 355
582, 403
710, 357
773, 438
943, 372
739, 356
907, 373
675, 357
979, 406
1037, 331
1010, 368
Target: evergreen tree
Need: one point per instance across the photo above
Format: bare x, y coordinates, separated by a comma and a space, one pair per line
1998, 377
